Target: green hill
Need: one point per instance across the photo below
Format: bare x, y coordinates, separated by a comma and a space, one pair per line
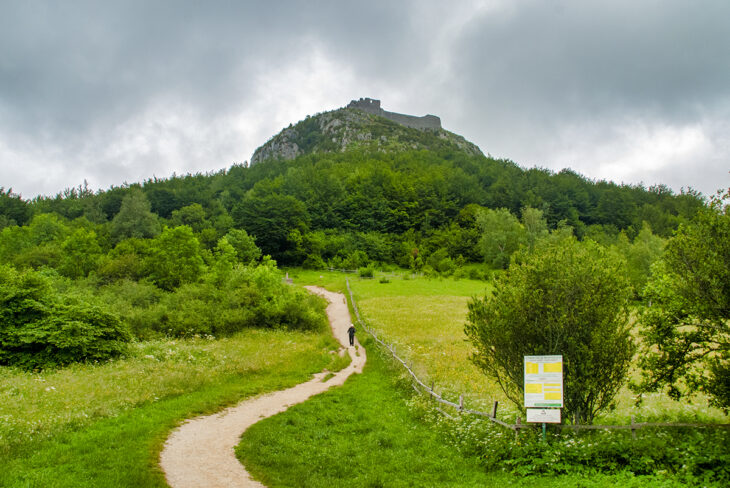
350, 186
353, 128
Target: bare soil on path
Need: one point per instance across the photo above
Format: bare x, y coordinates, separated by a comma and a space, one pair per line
200, 453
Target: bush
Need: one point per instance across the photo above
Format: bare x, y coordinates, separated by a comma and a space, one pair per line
126, 261
366, 272
249, 296
565, 297
693, 457
441, 262
357, 259
175, 258
40, 329
314, 261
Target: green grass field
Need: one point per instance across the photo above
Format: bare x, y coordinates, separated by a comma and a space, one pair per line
365, 434
104, 425
425, 319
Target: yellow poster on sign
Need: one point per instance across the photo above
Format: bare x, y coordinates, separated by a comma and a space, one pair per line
543, 381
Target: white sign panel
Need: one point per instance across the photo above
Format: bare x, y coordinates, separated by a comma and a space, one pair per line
544, 415
543, 381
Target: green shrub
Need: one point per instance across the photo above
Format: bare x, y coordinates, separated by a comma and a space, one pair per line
441, 262
39, 328
357, 259
366, 272
175, 258
126, 261
314, 261
477, 274
695, 457
248, 296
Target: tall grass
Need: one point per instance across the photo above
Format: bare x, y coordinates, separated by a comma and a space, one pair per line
104, 424
368, 434
358, 435
425, 319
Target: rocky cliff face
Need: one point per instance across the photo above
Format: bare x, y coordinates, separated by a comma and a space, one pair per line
354, 128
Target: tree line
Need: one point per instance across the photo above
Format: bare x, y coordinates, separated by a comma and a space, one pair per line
162, 256
323, 208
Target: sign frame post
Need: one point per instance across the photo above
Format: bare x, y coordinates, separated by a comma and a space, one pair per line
543, 389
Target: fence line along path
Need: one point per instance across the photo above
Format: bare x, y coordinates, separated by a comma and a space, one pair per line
422, 388
201, 451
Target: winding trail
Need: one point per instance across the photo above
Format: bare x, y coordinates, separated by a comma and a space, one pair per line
200, 453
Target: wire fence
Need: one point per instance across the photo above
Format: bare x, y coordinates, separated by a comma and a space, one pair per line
422, 388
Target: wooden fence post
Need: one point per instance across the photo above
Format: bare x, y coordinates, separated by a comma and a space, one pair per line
633, 429
518, 426
494, 409
461, 403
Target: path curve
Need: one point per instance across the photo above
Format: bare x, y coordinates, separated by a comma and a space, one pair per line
200, 453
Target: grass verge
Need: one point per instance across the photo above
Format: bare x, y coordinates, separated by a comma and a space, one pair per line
425, 319
358, 435
104, 425
366, 434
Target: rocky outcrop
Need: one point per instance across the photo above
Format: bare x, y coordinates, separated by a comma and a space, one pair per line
283, 146
361, 125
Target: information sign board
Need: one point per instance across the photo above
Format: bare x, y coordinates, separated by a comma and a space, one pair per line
543, 415
543, 381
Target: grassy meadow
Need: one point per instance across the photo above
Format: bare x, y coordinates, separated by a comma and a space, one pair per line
368, 433
424, 318
104, 424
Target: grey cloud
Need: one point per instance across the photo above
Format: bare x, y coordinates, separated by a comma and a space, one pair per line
70, 66
77, 77
532, 71
658, 57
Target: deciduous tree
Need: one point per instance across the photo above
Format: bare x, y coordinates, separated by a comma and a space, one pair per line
564, 297
687, 324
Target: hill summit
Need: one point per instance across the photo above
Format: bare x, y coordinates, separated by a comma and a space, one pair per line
362, 124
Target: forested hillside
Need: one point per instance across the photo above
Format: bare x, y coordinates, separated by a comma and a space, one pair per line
162, 255
331, 205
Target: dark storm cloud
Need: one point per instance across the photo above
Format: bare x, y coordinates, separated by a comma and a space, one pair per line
119, 91
72, 73
75, 63
537, 70
662, 58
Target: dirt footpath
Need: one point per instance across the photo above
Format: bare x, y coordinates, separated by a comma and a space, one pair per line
200, 452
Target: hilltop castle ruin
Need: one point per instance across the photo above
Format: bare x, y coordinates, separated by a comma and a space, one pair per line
373, 107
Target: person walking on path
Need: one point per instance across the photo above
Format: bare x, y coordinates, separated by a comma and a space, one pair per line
351, 333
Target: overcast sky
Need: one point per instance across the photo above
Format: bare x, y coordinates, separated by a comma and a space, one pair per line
114, 92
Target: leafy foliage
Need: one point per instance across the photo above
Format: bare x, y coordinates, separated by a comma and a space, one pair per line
175, 258
687, 324
13, 210
38, 329
243, 245
81, 252
244, 297
566, 298
134, 218
681, 457
272, 219
502, 235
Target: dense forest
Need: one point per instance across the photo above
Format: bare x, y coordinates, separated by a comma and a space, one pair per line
331, 206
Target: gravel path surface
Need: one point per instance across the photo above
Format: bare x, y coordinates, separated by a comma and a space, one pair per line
200, 452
